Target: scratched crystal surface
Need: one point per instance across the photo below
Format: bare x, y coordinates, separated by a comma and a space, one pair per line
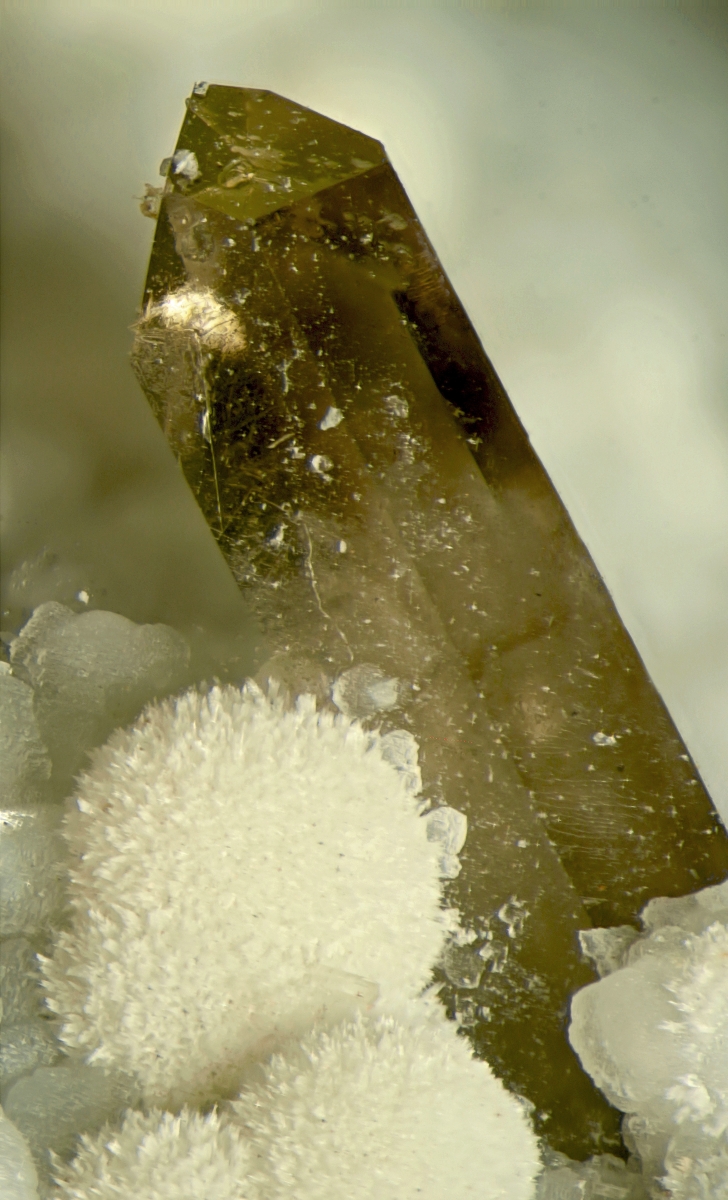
409, 560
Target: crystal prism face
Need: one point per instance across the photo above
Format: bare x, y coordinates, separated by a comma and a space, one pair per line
408, 558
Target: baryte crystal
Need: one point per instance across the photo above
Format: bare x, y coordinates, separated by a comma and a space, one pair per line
18, 1177
50, 1106
20, 994
382, 509
25, 1046
25, 765
653, 1034
33, 864
90, 672
602, 1177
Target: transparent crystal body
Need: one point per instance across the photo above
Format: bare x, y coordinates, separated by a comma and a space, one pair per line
383, 511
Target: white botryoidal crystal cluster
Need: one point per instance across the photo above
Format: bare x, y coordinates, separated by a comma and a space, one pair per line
653, 1034
392, 1106
160, 1156
242, 869
389, 1106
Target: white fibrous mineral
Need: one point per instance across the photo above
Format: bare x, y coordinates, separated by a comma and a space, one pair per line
389, 1106
25, 765
33, 866
18, 1178
159, 1156
653, 1034
91, 672
602, 1177
51, 1105
242, 870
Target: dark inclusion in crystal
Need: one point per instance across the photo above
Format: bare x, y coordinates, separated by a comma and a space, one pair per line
379, 503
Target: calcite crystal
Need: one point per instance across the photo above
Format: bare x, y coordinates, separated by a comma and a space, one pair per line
409, 560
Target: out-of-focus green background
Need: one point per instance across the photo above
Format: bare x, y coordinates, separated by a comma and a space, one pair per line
570, 163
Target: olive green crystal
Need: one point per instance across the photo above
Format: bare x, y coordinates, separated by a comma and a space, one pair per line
383, 511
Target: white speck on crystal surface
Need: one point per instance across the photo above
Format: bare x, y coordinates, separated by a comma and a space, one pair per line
331, 418
604, 739
449, 828
184, 163
365, 690
320, 464
514, 915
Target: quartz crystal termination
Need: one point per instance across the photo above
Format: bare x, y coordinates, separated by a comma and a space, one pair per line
383, 511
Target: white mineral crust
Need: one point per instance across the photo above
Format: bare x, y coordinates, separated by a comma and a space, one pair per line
653, 1034
389, 1106
242, 870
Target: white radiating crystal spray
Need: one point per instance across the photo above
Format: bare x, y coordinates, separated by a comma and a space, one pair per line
653, 1034
241, 870
392, 1106
158, 1156
389, 1106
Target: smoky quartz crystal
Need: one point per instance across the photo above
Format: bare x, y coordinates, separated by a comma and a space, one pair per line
408, 559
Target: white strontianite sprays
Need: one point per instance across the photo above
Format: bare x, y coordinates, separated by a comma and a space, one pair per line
389, 1108
242, 871
158, 1156
381, 1108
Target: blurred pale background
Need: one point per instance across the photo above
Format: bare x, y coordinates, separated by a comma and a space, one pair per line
570, 163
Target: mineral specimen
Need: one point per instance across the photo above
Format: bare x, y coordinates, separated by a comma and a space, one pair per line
90, 672
160, 1156
18, 1178
653, 1034
383, 511
392, 1106
242, 869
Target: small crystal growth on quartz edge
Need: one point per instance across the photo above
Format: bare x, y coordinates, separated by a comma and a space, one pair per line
410, 562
